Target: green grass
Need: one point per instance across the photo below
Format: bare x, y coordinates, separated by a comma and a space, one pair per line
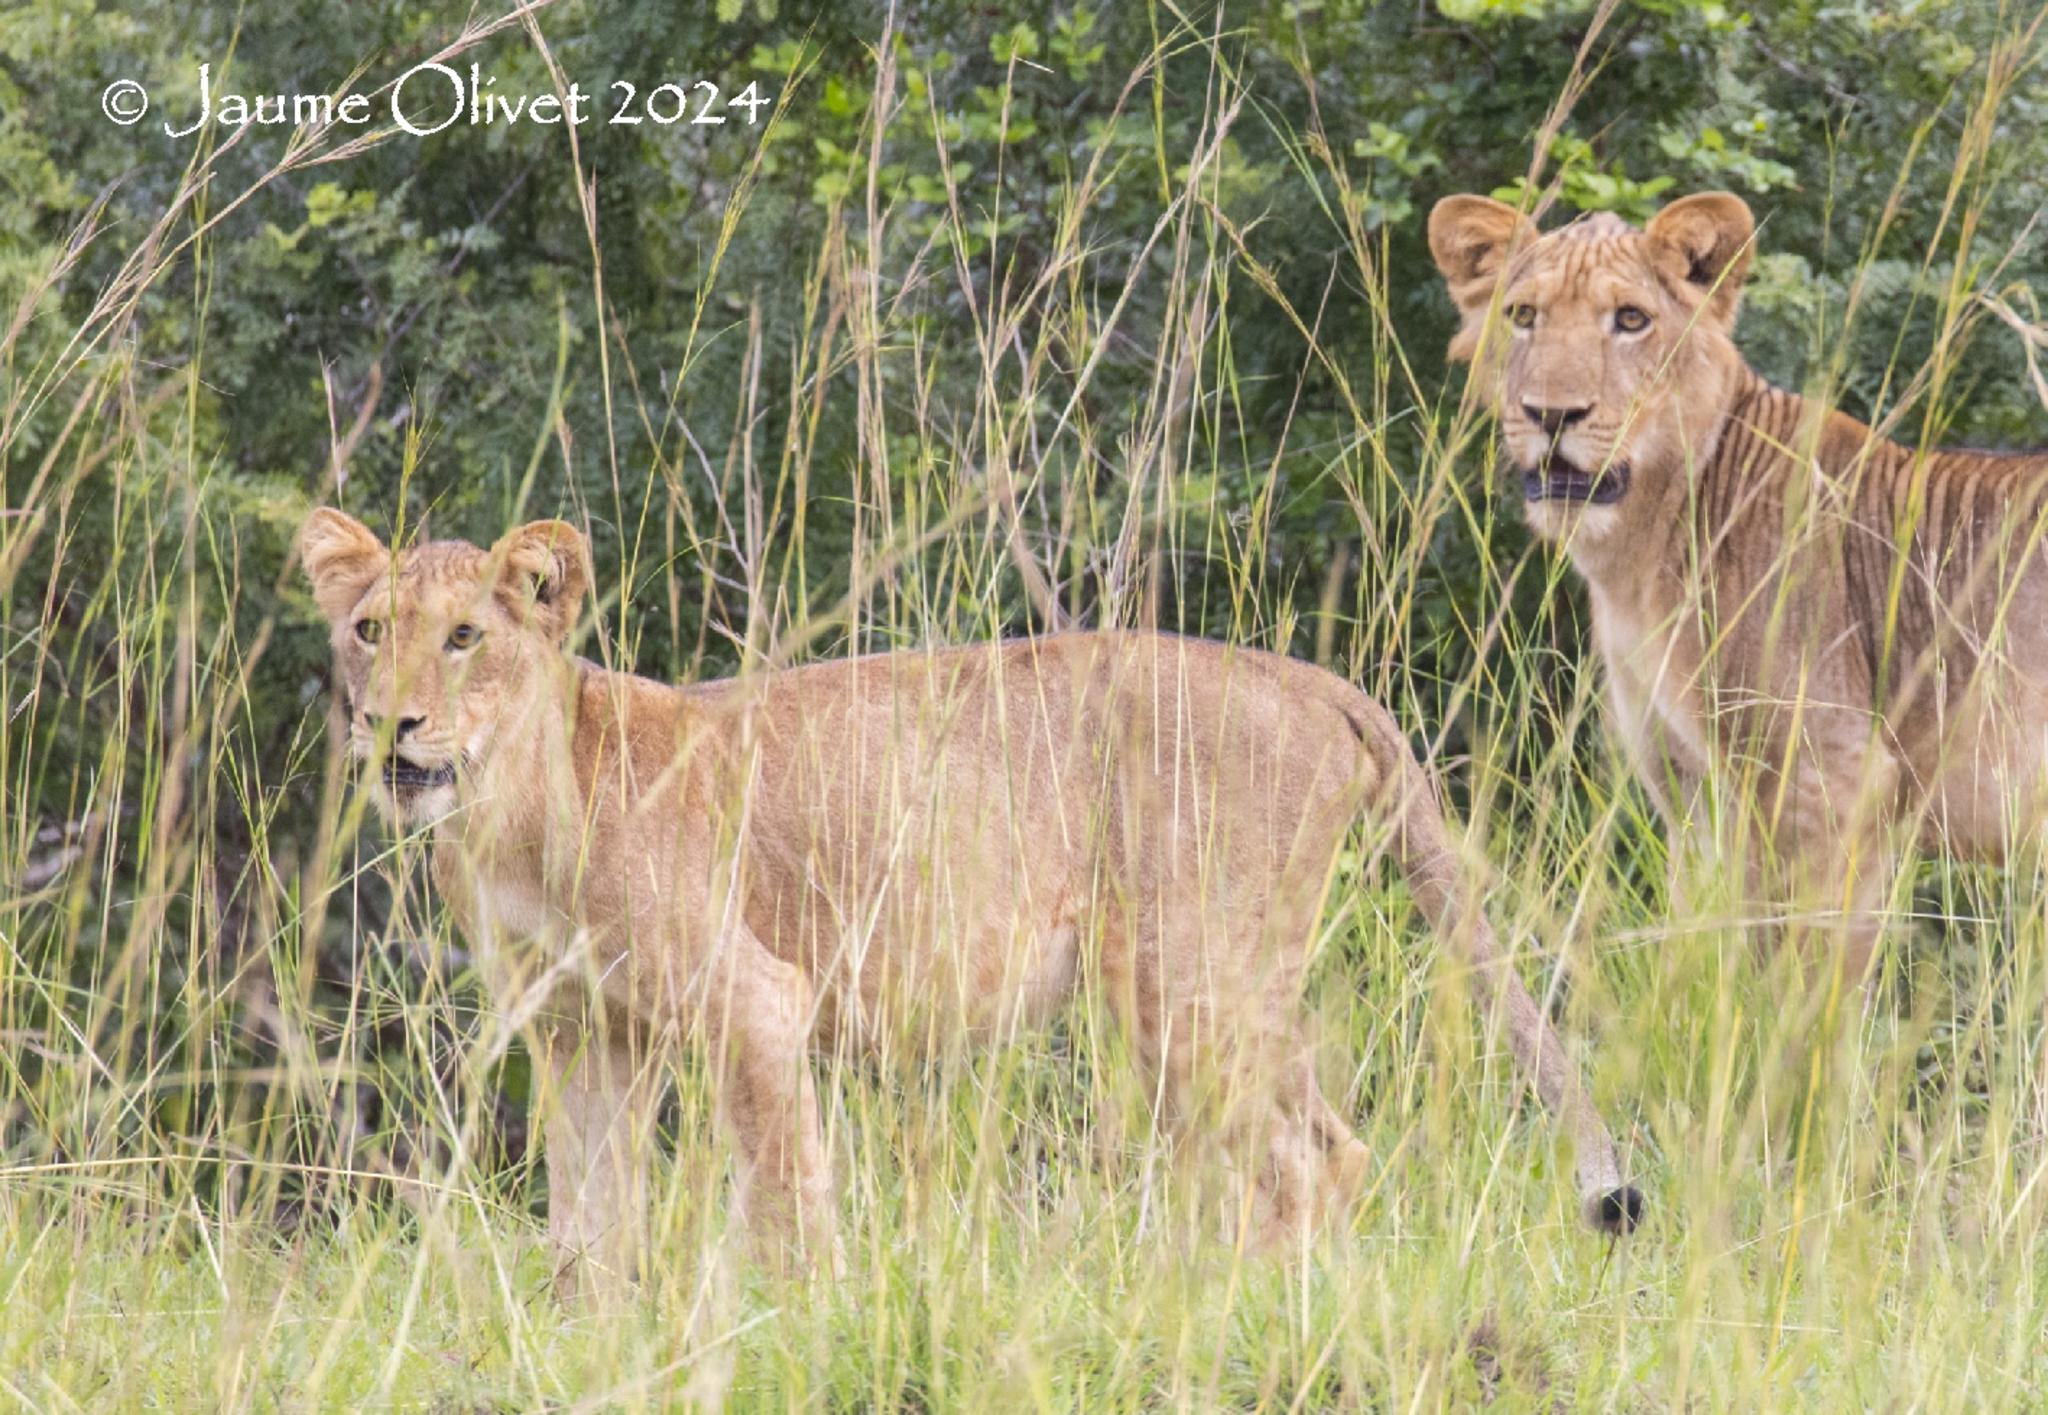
261, 1144
1000, 1258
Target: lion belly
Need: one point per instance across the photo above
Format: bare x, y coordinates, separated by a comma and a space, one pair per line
1986, 767
946, 842
1967, 700
914, 949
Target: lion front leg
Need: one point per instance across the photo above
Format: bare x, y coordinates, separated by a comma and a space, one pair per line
1838, 891
757, 1015
597, 1118
1837, 862
1825, 863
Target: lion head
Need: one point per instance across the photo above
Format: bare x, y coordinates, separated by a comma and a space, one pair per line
439, 650
1612, 359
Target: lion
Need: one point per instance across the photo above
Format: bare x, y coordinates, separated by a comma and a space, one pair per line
1851, 630
893, 851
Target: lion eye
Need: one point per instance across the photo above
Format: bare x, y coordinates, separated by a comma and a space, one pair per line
464, 636
1522, 316
1630, 320
369, 630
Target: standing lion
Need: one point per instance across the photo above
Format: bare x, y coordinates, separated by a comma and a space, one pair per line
891, 852
1851, 632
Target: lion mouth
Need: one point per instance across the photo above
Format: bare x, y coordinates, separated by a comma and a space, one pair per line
1556, 479
404, 776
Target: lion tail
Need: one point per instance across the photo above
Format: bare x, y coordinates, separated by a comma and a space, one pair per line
1422, 849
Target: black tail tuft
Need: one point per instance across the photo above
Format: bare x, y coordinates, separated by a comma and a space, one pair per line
1618, 1210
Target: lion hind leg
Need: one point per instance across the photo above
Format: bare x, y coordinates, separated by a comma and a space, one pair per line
1218, 1034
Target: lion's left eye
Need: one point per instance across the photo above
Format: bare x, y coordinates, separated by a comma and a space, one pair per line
464, 636
1630, 320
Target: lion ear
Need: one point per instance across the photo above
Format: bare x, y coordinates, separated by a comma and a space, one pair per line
342, 559
1471, 238
543, 575
1705, 242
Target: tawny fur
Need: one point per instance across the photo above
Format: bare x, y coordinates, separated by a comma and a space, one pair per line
892, 853
1852, 630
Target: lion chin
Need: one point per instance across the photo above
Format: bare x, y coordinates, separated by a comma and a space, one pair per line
1555, 478
1564, 503
416, 793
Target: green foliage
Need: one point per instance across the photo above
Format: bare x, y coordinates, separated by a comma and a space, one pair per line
1587, 186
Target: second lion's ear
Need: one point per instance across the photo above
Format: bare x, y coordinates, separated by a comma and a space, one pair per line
1704, 243
543, 575
1471, 238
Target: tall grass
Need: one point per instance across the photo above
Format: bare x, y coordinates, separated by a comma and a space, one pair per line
255, 1151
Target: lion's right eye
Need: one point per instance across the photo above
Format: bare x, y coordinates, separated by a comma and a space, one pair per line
1522, 316
369, 630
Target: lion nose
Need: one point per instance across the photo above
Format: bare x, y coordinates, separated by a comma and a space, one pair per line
400, 728
1555, 418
